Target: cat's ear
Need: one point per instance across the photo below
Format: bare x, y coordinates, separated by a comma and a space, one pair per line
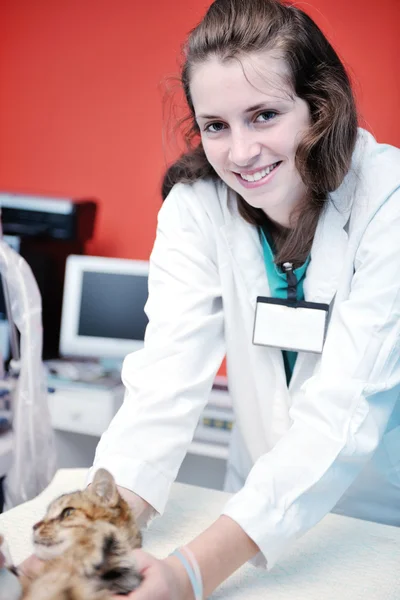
104, 487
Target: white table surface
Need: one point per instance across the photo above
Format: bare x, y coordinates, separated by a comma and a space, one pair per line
340, 559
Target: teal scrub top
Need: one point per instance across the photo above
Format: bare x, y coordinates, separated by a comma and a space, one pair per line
278, 285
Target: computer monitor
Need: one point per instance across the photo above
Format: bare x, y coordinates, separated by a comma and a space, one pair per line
102, 309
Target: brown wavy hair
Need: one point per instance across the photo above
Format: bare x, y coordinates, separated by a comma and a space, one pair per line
240, 28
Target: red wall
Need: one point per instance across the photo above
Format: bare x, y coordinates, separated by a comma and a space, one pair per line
81, 105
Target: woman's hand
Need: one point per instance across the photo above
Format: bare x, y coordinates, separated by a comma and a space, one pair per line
31, 567
162, 579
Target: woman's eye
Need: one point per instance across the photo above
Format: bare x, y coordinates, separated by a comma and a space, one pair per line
67, 512
265, 116
214, 127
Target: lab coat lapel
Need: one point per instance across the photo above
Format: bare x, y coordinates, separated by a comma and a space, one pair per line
327, 254
245, 248
322, 277
266, 364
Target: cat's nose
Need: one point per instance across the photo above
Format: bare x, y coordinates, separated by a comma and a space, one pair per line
37, 525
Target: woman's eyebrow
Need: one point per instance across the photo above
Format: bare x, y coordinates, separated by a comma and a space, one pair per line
261, 105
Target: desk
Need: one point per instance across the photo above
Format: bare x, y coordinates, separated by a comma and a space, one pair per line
87, 409
81, 413
340, 559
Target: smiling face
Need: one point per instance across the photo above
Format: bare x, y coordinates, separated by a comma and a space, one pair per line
251, 123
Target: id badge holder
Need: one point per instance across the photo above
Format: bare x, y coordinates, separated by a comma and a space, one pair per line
298, 326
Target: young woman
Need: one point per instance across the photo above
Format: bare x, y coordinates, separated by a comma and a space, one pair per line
282, 197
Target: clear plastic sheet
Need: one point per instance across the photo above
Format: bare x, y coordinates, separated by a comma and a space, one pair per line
34, 457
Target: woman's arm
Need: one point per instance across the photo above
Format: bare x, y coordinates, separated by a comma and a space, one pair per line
169, 380
219, 551
341, 413
142, 510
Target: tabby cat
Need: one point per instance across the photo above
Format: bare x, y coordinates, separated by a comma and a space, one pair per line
86, 540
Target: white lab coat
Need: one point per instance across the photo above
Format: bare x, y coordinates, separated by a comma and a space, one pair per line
334, 435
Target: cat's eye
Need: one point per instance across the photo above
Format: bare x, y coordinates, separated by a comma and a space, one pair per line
67, 512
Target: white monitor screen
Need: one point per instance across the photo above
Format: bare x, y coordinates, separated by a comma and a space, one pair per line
103, 306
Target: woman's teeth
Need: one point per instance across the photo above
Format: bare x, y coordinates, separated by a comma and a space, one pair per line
259, 175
